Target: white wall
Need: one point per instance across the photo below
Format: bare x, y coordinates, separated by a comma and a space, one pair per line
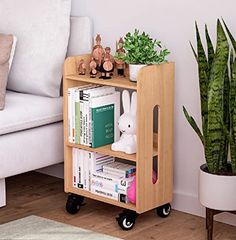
173, 23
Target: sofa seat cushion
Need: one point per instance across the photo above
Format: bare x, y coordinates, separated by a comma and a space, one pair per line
24, 111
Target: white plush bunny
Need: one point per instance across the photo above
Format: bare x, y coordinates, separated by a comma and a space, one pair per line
127, 125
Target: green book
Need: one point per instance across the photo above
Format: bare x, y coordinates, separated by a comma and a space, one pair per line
102, 125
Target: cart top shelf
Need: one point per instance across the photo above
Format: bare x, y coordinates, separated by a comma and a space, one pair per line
120, 82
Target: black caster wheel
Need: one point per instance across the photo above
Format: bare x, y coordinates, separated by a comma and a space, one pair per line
126, 219
73, 203
164, 211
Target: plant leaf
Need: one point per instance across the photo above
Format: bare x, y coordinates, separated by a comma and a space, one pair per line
230, 35
215, 100
210, 49
193, 124
225, 122
203, 79
194, 52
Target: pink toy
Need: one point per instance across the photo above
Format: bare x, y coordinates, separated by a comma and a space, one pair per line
132, 188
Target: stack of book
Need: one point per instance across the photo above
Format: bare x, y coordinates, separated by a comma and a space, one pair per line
84, 164
93, 114
101, 175
112, 182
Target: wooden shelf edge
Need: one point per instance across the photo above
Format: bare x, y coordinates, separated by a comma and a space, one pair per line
100, 198
107, 151
115, 81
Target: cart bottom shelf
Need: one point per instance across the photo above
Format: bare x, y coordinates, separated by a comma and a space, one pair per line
100, 198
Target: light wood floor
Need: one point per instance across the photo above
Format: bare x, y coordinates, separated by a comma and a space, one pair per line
41, 195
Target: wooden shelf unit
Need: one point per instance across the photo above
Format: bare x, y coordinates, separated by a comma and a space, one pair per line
155, 87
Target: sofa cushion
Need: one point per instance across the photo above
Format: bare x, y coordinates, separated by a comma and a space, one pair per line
24, 111
7, 49
42, 28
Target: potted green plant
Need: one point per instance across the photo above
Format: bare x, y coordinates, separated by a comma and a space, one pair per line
217, 83
141, 50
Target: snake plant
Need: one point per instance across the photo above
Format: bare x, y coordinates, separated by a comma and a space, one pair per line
217, 83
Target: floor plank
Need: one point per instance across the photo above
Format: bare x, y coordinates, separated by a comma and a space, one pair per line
38, 194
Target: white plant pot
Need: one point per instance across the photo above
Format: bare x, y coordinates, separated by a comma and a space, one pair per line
216, 191
133, 71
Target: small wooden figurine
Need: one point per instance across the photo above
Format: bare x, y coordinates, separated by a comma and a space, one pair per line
81, 67
98, 52
120, 64
107, 65
93, 70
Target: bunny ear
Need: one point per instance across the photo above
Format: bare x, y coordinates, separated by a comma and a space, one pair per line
134, 103
126, 101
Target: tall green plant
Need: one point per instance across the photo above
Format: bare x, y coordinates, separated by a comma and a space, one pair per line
217, 82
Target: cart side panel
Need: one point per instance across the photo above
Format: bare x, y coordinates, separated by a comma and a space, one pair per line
155, 88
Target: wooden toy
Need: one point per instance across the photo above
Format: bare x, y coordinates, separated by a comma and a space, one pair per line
107, 65
120, 64
98, 52
81, 67
93, 70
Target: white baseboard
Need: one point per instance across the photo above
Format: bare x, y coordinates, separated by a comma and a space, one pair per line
2, 193
190, 204
56, 170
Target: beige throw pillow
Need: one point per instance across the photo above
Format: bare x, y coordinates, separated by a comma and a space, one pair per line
6, 54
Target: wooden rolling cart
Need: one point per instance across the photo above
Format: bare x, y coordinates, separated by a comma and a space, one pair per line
155, 87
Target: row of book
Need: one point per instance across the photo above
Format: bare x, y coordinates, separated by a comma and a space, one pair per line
101, 174
93, 114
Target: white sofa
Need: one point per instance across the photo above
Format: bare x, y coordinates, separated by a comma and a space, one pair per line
31, 128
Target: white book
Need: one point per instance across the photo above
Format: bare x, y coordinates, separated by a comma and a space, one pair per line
83, 117
80, 163
73, 114
100, 157
78, 169
108, 100
123, 175
86, 170
96, 162
104, 193
106, 185
74, 164
111, 186
107, 176
120, 180
120, 168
